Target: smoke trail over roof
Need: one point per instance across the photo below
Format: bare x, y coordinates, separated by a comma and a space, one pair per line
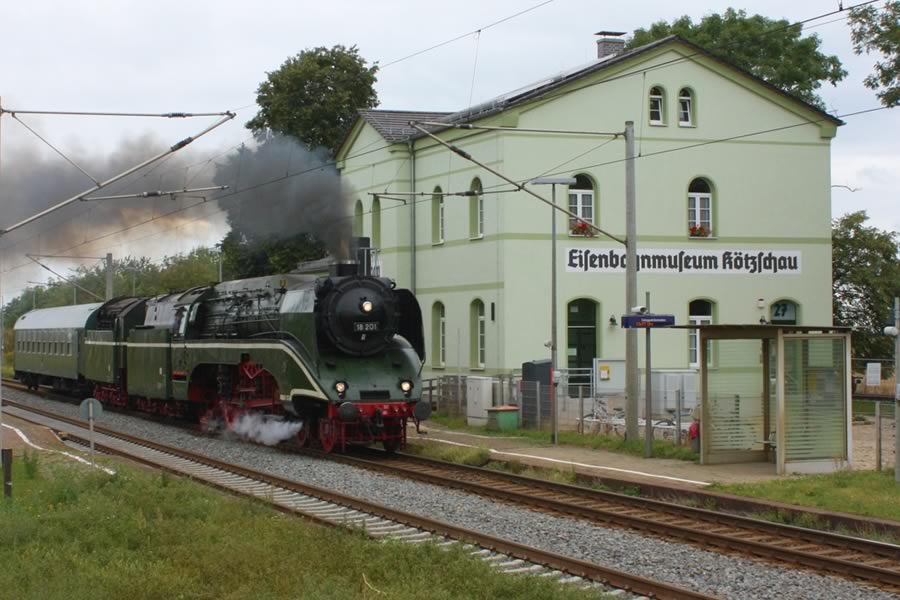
282, 189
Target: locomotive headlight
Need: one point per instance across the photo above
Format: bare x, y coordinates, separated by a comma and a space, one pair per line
341, 388
406, 386
366, 306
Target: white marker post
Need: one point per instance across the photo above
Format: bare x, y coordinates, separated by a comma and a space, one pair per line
91, 409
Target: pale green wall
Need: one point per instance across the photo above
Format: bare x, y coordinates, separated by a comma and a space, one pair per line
772, 192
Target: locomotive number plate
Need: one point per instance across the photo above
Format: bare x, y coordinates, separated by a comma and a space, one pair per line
361, 326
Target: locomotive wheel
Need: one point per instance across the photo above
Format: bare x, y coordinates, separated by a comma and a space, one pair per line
328, 434
303, 434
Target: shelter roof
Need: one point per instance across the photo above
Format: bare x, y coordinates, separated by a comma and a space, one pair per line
61, 317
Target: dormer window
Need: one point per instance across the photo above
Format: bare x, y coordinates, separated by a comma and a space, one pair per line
657, 106
685, 108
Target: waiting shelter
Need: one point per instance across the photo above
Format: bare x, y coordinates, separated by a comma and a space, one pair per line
776, 393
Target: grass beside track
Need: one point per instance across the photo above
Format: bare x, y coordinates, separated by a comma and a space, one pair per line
611, 443
74, 533
867, 493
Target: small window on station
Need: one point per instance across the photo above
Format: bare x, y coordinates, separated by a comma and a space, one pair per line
783, 312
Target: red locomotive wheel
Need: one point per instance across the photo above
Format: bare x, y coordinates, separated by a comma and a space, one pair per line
303, 434
328, 434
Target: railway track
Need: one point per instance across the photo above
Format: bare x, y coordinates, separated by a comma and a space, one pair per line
337, 510
873, 562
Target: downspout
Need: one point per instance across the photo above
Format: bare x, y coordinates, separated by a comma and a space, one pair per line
412, 216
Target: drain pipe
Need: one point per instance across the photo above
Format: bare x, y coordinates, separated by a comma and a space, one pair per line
412, 216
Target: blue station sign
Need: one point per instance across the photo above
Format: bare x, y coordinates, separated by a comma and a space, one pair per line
647, 321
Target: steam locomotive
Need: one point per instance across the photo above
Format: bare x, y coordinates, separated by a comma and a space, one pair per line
335, 359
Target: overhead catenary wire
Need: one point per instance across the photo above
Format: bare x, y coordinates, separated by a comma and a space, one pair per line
423, 199
519, 129
55, 149
175, 148
64, 278
457, 150
170, 115
465, 35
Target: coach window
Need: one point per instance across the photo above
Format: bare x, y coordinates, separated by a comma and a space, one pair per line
376, 223
700, 313
477, 334
657, 106
582, 335
700, 208
783, 312
439, 334
358, 219
437, 216
476, 210
581, 203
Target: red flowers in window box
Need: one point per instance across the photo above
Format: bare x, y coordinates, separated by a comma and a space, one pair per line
580, 227
700, 231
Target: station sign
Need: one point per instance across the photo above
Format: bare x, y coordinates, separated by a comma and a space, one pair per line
647, 321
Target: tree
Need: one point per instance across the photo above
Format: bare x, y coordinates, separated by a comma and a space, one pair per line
865, 279
315, 95
876, 30
770, 49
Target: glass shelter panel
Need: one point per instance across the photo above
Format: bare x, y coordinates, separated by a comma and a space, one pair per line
735, 406
814, 396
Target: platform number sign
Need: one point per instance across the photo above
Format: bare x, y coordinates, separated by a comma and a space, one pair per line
784, 312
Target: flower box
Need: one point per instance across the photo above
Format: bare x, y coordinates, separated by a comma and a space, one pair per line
582, 228
699, 231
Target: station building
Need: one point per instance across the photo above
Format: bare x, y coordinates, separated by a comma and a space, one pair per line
733, 209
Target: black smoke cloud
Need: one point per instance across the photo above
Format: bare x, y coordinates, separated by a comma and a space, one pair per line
280, 189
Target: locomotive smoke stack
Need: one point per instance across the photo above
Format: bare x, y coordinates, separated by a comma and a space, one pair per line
343, 268
343, 246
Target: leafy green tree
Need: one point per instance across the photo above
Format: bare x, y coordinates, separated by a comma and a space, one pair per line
865, 279
315, 95
770, 49
253, 257
877, 30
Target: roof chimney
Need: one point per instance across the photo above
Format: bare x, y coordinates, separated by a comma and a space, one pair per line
610, 43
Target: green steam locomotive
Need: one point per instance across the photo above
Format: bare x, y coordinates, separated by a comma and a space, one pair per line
335, 360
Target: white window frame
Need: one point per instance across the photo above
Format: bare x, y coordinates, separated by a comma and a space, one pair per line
441, 219
696, 210
686, 108
582, 199
482, 335
694, 341
442, 337
479, 206
659, 99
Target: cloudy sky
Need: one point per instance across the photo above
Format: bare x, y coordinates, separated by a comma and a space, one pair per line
194, 55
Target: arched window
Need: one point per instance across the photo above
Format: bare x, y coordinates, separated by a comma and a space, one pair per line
376, 223
581, 202
439, 334
700, 312
700, 208
358, 219
783, 312
685, 108
657, 106
437, 216
476, 211
477, 333
581, 326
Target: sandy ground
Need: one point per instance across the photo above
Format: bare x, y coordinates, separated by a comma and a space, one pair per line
38, 435
864, 444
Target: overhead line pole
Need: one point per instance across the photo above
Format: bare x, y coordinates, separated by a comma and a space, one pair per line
632, 377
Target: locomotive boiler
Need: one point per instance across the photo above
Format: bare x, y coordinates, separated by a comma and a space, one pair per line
333, 360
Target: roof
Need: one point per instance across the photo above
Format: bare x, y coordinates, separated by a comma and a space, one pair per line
61, 317
393, 125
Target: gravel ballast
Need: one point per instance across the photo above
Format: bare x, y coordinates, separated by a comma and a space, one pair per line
679, 564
